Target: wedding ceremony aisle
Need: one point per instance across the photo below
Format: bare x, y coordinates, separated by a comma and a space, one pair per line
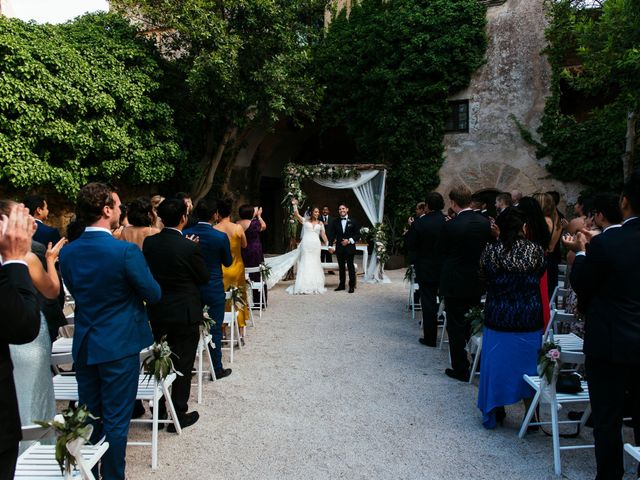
337, 386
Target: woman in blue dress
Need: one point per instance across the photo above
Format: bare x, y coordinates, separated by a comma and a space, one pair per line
512, 334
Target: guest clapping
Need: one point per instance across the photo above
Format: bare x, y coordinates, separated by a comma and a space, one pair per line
511, 338
253, 224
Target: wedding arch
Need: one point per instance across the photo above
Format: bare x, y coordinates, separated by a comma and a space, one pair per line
368, 184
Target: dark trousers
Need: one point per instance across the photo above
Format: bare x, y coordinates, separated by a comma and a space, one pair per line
459, 330
8, 458
609, 384
216, 311
109, 390
183, 341
325, 256
429, 302
345, 261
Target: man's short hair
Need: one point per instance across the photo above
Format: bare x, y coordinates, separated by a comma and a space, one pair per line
171, 211
434, 201
93, 197
421, 205
205, 211
461, 195
631, 191
608, 204
33, 202
504, 198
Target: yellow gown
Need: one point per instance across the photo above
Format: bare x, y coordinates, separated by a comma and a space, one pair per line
233, 275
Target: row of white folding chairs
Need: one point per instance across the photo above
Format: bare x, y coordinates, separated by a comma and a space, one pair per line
415, 305
257, 286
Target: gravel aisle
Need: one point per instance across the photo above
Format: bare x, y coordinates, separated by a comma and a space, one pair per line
337, 386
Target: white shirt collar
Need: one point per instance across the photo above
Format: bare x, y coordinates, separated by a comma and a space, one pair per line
615, 225
204, 223
343, 219
98, 229
38, 220
629, 219
173, 228
468, 209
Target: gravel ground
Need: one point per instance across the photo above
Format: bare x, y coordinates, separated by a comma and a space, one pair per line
337, 386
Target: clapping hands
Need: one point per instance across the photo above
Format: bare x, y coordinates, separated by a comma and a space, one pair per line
16, 231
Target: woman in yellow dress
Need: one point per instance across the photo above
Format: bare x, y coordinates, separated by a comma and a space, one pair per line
233, 275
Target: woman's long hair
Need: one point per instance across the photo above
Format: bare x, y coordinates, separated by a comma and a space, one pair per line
537, 230
511, 223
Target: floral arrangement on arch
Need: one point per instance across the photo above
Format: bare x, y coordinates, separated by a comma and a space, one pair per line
295, 174
548, 358
378, 235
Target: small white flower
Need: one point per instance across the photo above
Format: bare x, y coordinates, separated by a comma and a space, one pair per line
59, 418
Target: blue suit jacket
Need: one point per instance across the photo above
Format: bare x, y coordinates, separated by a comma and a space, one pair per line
217, 252
109, 280
45, 234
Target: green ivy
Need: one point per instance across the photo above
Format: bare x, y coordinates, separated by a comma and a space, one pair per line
388, 70
79, 102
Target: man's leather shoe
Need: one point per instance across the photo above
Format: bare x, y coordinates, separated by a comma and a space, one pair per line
185, 420
340, 287
223, 372
351, 290
428, 344
461, 376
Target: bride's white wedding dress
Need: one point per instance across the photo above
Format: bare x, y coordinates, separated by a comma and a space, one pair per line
309, 274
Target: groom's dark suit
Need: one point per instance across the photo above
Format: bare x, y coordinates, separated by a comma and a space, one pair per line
345, 229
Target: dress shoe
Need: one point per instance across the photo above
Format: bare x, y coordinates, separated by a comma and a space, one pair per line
461, 376
223, 372
501, 414
185, 420
351, 290
428, 344
340, 287
138, 409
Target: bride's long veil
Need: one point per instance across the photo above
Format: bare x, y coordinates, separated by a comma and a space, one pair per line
281, 264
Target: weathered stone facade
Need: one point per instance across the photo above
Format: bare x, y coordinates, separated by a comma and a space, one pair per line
513, 83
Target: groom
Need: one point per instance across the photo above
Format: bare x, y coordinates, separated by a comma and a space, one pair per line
345, 233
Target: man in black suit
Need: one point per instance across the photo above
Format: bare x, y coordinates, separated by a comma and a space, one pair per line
22, 315
345, 233
422, 240
327, 220
462, 241
39, 209
177, 264
606, 277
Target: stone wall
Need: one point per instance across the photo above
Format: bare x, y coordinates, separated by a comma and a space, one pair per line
513, 82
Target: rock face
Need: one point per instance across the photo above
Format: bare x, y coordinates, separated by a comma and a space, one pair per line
513, 83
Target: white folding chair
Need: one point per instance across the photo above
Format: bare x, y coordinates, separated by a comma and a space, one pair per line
558, 298
231, 319
546, 393
39, 461
414, 296
258, 286
475, 348
442, 314
569, 342
202, 350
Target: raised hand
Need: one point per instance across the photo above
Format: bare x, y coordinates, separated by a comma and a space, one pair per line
53, 251
16, 231
193, 238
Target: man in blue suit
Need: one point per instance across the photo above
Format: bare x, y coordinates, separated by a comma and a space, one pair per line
110, 281
217, 252
39, 209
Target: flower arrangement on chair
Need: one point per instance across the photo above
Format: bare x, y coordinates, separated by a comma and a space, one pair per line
159, 364
207, 321
238, 296
475, 316
548, 359
265, 271
72, 431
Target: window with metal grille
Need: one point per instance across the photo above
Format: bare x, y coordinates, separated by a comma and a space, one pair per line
458, 120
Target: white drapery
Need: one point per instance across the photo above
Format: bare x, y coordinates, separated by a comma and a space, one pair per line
369, 190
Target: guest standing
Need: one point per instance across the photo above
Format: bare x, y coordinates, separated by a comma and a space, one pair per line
20, 309
142, 219
155, 201
177, 265
462, 241
423, 239
233, 275
253, 224
39, 209
327, 221
606, 277
217, 253
511, 268
550, 211
110, 281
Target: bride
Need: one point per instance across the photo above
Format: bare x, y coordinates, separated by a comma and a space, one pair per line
310, 275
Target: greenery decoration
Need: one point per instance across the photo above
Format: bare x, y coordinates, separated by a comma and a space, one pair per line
408, 274
159, 364
238, 297
71, 426
475, 317
378, 236
265, 271
207, 322
79, 102
388, 69
593, 51
548, 358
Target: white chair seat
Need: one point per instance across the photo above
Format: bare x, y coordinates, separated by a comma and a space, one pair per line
583, 396
569, 342
62, 345
39, 462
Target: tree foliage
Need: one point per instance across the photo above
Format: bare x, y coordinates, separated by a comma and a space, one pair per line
604, 42
236, 64
388, 69
79, 101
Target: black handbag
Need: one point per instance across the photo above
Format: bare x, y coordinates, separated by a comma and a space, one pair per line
569, 382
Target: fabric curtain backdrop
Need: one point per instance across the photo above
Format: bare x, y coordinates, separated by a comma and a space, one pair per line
369, 190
